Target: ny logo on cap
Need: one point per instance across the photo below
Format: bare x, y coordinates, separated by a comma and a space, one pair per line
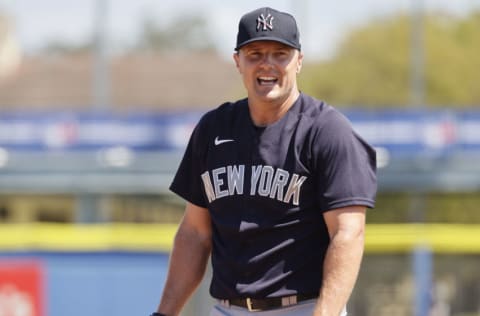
265, 22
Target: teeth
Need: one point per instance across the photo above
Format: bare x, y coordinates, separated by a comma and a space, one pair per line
267, 80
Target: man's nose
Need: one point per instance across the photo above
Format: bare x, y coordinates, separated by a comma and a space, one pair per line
266, 61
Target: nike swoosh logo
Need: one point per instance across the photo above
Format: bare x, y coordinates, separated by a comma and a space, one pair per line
221, 141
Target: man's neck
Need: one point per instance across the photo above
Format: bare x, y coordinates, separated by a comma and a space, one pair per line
266, 113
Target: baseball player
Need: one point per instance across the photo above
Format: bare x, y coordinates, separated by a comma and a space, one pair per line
277, 187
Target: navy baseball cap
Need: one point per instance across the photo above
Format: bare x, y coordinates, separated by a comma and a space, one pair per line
267, 24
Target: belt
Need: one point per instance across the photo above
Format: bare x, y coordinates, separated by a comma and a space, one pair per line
255, 305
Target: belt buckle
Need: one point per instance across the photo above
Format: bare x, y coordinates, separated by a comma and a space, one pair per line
250, 306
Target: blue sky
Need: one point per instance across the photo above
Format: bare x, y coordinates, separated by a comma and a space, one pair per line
322, 23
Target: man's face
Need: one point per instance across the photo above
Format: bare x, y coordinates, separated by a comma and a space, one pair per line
269, 70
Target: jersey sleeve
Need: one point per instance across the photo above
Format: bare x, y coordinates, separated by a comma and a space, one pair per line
187, 181
346, 166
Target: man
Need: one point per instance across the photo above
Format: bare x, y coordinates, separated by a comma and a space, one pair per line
277, 187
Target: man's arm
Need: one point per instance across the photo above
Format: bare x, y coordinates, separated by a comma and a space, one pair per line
346, 228
188, 259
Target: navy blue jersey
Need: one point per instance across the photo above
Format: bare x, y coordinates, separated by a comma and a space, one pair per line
266, 190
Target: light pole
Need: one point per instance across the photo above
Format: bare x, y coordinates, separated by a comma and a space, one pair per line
417, 55
101, 77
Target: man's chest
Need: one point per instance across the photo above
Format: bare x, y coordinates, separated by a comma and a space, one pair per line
255, 165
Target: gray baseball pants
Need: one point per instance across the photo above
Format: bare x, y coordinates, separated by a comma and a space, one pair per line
302, 309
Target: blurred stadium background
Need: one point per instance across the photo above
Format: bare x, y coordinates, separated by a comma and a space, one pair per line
92, 128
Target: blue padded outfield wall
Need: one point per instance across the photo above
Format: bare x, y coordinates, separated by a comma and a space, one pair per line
95, 283
129, 282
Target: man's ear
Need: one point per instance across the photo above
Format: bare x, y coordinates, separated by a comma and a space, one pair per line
236, 58
299, 62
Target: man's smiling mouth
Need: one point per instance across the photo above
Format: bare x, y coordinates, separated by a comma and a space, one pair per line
264, 80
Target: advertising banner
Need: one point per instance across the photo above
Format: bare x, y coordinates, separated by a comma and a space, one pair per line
398, 131
21, 288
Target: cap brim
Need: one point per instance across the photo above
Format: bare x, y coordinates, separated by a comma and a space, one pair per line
266, 38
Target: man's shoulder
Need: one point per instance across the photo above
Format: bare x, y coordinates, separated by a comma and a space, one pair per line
225, 110
323, 115
317, 109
